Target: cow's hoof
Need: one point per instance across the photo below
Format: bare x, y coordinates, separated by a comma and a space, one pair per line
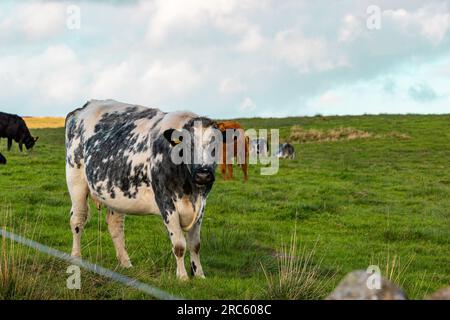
183, 278
200, 276
126, 264
76, 255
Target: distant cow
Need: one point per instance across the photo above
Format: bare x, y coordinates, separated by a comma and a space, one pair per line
120, 154
2, 159
228, 149
259, 147
286, 151
14, 128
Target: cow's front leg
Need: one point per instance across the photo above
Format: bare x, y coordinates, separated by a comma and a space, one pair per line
193, 242
172, 222
116, 223
9, 144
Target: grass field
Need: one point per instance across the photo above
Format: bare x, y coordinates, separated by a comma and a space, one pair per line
380, 200
44, 122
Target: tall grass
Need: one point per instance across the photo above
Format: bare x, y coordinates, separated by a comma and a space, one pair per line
28, 274
395, 269
297, 275
20, 267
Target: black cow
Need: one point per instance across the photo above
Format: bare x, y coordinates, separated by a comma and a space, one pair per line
14, 128
2, 159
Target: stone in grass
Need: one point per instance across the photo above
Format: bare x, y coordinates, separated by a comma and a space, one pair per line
355, 287
441, 294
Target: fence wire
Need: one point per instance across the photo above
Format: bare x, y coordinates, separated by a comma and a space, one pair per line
92, 267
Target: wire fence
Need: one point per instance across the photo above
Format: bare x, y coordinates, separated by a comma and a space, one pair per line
92, 267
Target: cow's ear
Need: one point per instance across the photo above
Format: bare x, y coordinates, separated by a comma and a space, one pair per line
174, 139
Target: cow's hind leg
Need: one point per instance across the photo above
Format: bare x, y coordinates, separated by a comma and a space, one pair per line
9, 144
172, 222
79, 192
116, 222
230, 170
193, 242
223, 170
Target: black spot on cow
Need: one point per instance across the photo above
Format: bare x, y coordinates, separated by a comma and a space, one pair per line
178, 251
77, 229
14, 128
70, 114
193, 268
75, 130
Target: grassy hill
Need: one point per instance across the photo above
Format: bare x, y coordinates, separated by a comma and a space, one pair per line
383, 200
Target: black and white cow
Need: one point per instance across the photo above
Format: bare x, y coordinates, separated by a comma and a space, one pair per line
120, 154
286, 151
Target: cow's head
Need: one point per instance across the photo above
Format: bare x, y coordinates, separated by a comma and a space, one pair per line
30, 142
196, 146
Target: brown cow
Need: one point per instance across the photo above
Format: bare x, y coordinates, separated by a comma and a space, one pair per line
223, 126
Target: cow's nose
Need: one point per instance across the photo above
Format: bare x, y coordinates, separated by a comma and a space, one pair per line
203, 176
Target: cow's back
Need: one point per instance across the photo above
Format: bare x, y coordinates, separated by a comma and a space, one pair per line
10, 125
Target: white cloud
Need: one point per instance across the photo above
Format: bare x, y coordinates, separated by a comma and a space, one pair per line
183, 16
252, 40
218, 57
54, 75
351, 29
152, 83
231, 86
432, 21
247, 105
171, 17
306, 54
34, 21
328, 98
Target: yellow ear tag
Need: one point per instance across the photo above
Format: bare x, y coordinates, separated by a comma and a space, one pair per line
177, 141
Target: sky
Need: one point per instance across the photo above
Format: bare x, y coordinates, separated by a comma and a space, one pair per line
227, 58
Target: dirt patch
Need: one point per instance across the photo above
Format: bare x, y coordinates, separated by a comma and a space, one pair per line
298, 134
301, 135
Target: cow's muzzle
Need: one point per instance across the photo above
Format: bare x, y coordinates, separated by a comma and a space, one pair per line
204, 176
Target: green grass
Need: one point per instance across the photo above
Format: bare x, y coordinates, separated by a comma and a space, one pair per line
352, 202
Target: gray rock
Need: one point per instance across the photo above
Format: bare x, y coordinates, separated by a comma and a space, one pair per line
441, 294
354, 287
